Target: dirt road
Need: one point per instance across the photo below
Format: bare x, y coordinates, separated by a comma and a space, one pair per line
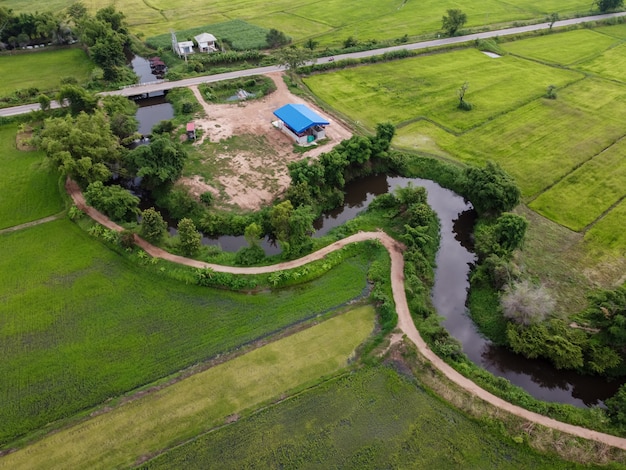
405, 322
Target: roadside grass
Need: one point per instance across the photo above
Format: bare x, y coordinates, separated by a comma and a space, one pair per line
427, 86
79, 324
610, 64
29, 187
563, 48
202, 401
585, 194
372, 418
43, 69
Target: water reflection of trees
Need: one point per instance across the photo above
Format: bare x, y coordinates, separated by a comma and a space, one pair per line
588, 389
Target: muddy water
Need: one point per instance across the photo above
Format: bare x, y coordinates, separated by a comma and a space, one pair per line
152, 111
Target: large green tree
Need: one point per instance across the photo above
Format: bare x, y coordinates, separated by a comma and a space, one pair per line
82, 147
491, 189
453, 21
159, 163
606, 5
153, 227
116, 202
189, 239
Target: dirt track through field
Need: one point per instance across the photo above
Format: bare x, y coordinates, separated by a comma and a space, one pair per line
405, 322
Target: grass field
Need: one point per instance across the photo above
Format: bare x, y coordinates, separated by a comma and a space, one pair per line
29, 189
610, 64
78, 325
426, 87
43, 69
330, 22
202, 401
563, 48
373, 418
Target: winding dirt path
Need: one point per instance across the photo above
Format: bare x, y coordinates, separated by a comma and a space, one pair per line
405, 322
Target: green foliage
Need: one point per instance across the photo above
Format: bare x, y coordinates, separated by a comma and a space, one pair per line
82, 147
207, 198
116, 202
526, 304
78, 99
276, 39
121, 112
292, 58
502, 237
606, 5
453, 21
160, 163
551, 92
249, 255
153, 227
224, 90
189, 239
607, 312
616, 406
490, 189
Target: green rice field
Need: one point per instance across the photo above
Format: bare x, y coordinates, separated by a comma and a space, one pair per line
372, 418
202, 401
43, 69
329, 22
565, 154
30, 190
79, 325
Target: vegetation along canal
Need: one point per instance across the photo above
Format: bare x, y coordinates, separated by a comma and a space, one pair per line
454, 262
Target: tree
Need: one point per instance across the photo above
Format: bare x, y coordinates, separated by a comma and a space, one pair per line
526, 304
453, 21
115, 201
310, 44
153, 227
384, 134
607, 312
464, 105
552, 18
108, 54
189, 239
121, 112
82, 147
490, 189
44, 102
77, 98
606, 5
76, 11
253, 234
275, 39
159, 163
292, 58
292, 227
616, 406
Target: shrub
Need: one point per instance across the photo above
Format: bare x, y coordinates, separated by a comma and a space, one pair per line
526, 304
207, 198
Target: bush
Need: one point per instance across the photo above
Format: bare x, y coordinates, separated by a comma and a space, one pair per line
250, 255
207, 198
526, 304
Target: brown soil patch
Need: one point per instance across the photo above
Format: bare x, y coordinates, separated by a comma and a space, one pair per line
251, 178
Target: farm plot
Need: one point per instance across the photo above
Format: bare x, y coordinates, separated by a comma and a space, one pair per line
563, 48
43, 70
29, 187
426, 87
78, 326
372, 418
585, 194
608, 235
203, 401
610, 64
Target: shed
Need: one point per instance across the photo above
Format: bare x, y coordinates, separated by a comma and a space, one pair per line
206, 42
185, 47
191, 130
301, 123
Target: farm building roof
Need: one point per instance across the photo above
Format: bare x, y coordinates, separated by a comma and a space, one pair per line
299, 117
204, 37
191, 126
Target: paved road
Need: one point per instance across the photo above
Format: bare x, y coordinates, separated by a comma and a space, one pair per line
165, 85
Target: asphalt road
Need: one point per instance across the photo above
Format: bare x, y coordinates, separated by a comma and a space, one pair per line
166, 85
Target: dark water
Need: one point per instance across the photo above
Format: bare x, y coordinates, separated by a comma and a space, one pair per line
152, 111
454, 261
142, 68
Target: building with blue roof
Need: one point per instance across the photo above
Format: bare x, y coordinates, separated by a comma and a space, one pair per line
301, 123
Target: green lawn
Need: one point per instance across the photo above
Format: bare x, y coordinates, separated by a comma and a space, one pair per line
427, 86
79, 325
563, 48
202, 401
585, 194
29, 188
43, 69
373, 418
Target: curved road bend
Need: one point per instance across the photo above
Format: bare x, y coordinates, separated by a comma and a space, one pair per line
165, 85
405, 322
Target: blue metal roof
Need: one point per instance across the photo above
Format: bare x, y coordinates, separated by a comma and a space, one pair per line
299, 117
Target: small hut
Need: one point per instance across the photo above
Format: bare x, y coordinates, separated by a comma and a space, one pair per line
191, 131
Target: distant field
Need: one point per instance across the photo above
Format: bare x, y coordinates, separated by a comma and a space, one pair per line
563, 48
43, 69
202, 401
373, 418
427, 86
610, 64
78, 325
29, 188
607, 236
330, 22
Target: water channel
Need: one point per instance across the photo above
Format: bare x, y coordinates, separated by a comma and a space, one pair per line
454, 261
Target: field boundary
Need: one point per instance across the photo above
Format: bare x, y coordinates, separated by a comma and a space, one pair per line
405, 321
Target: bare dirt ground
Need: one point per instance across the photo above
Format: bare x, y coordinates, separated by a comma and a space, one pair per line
250, 179
405, 322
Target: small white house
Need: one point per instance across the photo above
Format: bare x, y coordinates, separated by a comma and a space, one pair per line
185, 47
206, 42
